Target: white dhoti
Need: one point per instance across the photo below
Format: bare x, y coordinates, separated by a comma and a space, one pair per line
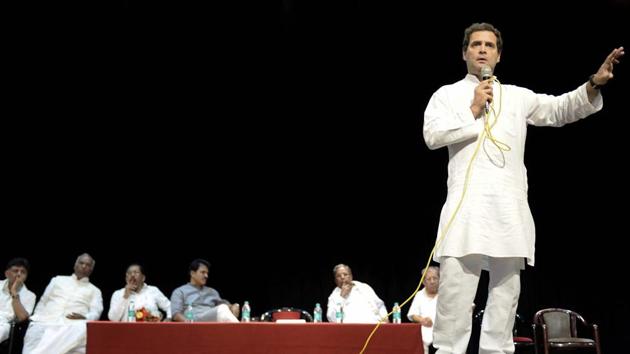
55, 338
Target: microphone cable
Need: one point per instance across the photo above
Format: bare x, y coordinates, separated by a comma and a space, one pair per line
501, 146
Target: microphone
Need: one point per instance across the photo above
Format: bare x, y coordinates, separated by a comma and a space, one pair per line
486, 73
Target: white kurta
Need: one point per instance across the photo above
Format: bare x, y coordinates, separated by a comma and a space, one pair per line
361, 306
50, 332
424, 306
27, 298
149, 297
495, 219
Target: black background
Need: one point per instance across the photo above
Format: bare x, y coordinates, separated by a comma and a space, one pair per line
279, 139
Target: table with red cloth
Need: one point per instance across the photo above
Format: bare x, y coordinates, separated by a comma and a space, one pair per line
250, 338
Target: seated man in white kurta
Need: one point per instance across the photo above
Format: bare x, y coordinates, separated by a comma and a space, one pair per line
424, 306
58, 324
358, 301
16, 301
142, 295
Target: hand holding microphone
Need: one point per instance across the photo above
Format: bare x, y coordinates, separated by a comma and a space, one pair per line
486, 74
483, 93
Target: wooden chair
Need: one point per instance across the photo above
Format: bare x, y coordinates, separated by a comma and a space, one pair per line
286, 313
13, 344
559, 331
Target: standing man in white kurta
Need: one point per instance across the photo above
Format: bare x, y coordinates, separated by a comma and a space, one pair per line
58, 324
493, 228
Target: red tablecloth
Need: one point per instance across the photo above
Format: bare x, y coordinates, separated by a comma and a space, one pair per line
250, 338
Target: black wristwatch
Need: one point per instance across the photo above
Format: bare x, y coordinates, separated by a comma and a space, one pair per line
593, 84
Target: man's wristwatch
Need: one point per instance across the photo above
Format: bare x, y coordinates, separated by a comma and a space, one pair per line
593, 84
16, 296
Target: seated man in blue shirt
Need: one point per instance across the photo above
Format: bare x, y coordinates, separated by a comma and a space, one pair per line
207, 304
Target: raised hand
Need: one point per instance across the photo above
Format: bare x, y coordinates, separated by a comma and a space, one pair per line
605, 71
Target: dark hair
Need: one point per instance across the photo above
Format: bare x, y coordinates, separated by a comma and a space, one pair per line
194, 265
18, 262
483, 26
137, 265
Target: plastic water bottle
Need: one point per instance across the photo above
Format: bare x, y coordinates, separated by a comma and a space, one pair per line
131, 312
190, 316
246, 312
339, 314
317, 313
396, 314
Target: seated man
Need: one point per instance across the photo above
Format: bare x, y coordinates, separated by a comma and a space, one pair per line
144, 296
357, 301
16, 301
207, 304
58, 324
424, 306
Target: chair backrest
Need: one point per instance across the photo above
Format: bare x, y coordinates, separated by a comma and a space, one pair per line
558, 329
561, 323
285, 313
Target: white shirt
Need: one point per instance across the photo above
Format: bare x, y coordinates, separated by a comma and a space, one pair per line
65, 295
27, 298
494, 219
424, 306
149, 297
361, 306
